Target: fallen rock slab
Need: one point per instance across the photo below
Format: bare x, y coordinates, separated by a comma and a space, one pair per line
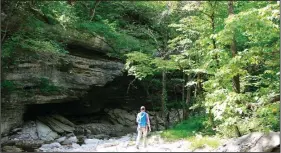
44, 132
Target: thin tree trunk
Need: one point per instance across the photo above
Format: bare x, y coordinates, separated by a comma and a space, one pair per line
237, 131
236, 79
183, 95
199, 86
211, 118
164, 97
213, 39
183, 85
188, 98
93, 9
3, 38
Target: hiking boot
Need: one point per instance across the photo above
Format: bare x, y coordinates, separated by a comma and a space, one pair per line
137, 147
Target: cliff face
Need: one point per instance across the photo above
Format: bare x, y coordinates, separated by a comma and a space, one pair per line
42, 78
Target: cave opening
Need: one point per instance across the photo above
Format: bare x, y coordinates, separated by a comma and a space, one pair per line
91, 107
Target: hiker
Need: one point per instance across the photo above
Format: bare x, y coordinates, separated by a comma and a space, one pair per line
143, 126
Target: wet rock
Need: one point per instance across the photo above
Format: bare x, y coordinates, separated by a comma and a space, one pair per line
11, 149
70, 140
44, 132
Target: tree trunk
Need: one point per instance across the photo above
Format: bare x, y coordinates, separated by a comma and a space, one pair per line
183, 95
164, 97
183, 85
213, 39
238, 133
156, 121
236, 79
199, 85
188, 98
179, 116
211, 119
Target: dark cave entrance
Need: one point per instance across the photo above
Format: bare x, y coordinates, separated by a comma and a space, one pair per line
91, 107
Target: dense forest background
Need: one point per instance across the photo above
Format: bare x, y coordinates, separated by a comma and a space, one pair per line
215, 59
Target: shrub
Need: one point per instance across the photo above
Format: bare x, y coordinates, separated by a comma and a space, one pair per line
188, 128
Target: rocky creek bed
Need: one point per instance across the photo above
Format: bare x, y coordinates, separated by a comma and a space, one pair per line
255, 142
55, 133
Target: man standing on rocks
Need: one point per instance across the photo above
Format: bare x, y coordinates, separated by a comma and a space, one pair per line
143, 126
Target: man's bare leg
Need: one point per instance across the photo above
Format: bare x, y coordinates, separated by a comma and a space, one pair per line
138, 138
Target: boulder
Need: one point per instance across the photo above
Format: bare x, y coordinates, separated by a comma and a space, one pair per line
28, 132
253, 142
70, 140
44, 132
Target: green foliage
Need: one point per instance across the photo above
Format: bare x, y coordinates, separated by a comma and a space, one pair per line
187, 128
11, 45
7, 86
58, 12
139, 65
44, 46
46, 87
198, 142
193, 38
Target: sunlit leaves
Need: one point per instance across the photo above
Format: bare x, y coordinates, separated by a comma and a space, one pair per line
139, 65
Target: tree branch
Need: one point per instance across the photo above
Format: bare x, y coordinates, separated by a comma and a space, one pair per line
130, 85
5, 32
